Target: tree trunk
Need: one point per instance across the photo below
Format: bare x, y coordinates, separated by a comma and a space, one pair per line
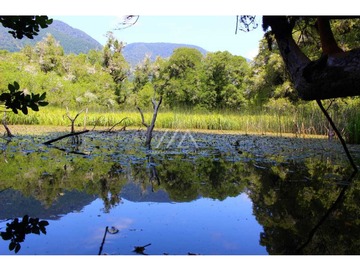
150, 128
331, 76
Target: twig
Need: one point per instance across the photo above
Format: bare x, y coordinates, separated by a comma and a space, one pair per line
65, 136
338, 134
103, 241
118, 123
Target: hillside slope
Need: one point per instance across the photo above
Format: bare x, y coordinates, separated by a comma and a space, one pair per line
71, 39
135, 53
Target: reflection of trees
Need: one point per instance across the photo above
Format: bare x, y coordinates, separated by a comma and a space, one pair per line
293, 209
290, 199
211, 177
46, 176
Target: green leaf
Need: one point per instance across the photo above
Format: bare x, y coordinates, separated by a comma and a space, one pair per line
11, 88
12, 245
35, 230
5, 96
43, 103
34, 107
17, 247
43, 96
43, 223
6, 235
24, 109
25, 219
43, 230
16, 85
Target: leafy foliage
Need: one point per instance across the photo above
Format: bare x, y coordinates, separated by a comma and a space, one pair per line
17, 100
28, 26
17, 230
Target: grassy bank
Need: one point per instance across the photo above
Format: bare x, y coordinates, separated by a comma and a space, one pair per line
270, 122
298, 121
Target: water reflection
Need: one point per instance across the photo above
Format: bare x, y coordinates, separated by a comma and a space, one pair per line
184, 201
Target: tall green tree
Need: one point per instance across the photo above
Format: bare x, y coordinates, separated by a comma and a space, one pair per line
223, 80
49, 52
181, 73
115, 63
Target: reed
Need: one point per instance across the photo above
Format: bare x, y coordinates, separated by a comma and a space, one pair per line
301, 121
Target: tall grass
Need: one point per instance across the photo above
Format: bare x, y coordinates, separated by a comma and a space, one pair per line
296, 120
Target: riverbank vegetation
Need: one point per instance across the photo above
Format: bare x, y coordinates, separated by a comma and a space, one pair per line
216, 91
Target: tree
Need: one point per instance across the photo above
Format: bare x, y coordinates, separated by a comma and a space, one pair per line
181, 72
336, 73
223, 80
49, 52
114, 62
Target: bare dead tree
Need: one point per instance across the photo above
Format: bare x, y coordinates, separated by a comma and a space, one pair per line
72, 119
150, 128
8, 132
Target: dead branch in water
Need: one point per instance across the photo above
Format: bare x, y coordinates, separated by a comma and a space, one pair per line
65, 136
73, 119
150, 128
118, 123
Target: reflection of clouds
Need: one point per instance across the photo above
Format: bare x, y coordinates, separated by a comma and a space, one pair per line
120, 224
225, 243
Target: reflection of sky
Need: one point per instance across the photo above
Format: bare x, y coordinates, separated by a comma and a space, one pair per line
205, 226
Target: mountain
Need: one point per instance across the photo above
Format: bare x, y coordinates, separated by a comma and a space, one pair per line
71, 39
135, 53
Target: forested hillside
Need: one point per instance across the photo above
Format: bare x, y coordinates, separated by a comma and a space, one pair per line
134, 53
72, 40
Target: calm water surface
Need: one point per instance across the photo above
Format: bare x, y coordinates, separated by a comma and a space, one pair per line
193, 193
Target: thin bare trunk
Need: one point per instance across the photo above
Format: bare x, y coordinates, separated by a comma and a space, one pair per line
150, 128
8, 132
73, 119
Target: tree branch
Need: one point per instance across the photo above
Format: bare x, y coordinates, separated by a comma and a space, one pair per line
65, 136
142, 117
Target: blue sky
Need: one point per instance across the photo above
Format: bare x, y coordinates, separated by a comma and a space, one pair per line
213, 33
206, 23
